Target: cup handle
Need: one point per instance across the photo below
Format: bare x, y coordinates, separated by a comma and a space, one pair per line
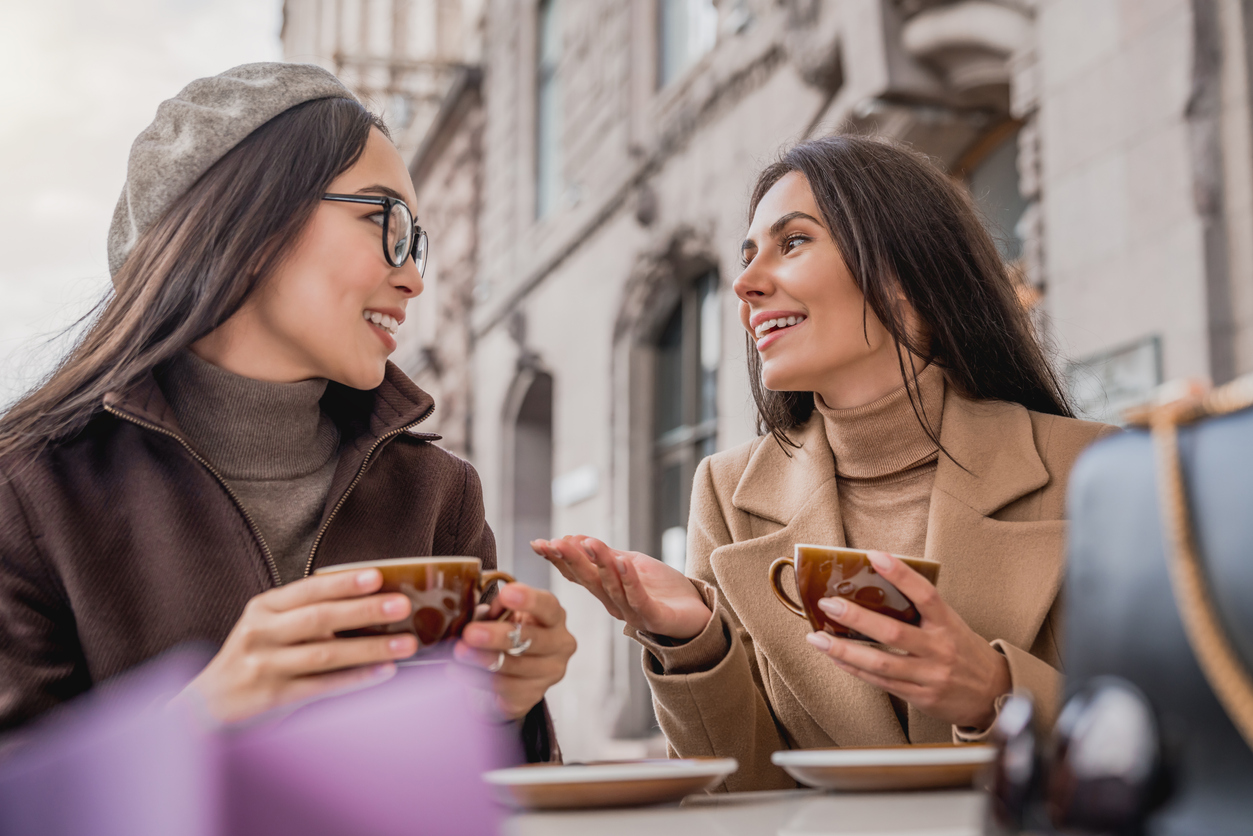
487, 579
776, 573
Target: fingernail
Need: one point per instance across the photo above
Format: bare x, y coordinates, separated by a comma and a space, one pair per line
396, 606
366, 579
511, 596
834, 607
383, 670
621, 564
820, 640
881, 561
401, 644
473, 635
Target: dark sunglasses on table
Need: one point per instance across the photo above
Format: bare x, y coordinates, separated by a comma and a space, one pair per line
402, 237
1102, 774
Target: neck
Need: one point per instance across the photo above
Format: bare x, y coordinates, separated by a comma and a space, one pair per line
242, 347
868, 380
886, 436
249, 429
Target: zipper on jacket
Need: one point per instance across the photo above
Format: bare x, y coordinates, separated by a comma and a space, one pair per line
360, 472
269, 558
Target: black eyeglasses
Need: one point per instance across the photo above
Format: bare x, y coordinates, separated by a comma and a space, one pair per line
402, 237
1104, 774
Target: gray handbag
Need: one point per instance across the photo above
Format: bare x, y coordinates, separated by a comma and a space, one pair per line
1159, 592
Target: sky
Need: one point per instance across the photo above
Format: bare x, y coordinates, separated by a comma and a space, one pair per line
79, 79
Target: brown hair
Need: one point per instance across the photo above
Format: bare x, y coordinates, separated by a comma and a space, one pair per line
196, 265
907, 231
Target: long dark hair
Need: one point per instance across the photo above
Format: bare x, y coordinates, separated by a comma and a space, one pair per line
907, 231
196, 265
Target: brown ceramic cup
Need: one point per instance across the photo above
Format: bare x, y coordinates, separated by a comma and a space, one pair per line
443, 591
837, 572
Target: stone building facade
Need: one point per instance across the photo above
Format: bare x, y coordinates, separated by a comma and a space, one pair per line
589, 198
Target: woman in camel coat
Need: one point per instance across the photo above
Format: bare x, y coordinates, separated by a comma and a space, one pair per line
910, 411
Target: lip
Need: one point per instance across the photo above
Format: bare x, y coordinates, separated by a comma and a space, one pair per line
388, 340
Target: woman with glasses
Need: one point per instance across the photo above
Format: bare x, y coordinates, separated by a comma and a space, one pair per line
229, 422
907, 408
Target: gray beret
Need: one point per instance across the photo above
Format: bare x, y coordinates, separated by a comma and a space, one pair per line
196, 128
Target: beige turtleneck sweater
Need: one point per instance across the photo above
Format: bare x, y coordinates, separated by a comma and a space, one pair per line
885, 466
270, 442
884, 470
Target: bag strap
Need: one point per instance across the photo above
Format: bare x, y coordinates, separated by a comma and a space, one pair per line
1223, 669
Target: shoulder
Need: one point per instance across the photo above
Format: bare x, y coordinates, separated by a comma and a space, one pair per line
1060, 440
433, 463
725, 468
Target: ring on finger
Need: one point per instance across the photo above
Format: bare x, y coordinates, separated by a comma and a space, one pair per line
495, 667
517, 645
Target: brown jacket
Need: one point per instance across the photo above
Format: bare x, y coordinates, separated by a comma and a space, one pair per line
750, 684
123, 542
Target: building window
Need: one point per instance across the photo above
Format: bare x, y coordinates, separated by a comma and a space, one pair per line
532, 477
992, 177
548, 182
685, 410
686, 30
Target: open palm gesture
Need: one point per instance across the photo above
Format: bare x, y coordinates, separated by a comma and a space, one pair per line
636, 588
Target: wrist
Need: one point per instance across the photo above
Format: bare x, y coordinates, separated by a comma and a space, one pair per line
692, 627
999, 684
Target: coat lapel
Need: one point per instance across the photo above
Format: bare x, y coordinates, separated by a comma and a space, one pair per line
1001, 577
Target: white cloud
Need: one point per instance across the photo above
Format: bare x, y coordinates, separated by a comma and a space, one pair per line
79, 79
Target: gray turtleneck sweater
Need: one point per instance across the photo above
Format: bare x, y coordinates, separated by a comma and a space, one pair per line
271, 442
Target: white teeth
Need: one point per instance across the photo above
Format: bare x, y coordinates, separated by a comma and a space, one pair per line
781, 322
382, 320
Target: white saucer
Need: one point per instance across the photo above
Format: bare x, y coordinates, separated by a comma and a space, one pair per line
607, 784
886, 767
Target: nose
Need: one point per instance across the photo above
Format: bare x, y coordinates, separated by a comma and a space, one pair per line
407, 279
754, 283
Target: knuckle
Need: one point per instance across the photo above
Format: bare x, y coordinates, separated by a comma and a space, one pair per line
254, 667
248, 634
313, 620
321, 656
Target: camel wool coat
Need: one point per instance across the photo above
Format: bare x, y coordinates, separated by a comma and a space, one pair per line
750, 684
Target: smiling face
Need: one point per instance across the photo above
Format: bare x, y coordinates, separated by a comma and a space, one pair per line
331, 308
803, 308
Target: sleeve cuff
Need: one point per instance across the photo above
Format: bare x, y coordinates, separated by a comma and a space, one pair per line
700, 653
1027, 674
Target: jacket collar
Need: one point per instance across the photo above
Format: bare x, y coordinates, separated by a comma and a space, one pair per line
994, 462
362, 415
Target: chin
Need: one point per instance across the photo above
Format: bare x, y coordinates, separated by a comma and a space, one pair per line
363, 379
782, 381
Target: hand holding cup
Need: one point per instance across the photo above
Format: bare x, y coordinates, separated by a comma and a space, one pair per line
283, 651
943, 668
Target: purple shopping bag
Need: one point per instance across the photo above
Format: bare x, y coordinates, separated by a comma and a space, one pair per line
402, 757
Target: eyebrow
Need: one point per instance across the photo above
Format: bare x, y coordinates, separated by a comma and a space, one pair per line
777, 226
383, 190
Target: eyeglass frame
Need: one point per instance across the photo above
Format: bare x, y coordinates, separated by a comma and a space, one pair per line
389, 203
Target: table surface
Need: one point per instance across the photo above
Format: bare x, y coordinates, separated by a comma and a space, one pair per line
786, 813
